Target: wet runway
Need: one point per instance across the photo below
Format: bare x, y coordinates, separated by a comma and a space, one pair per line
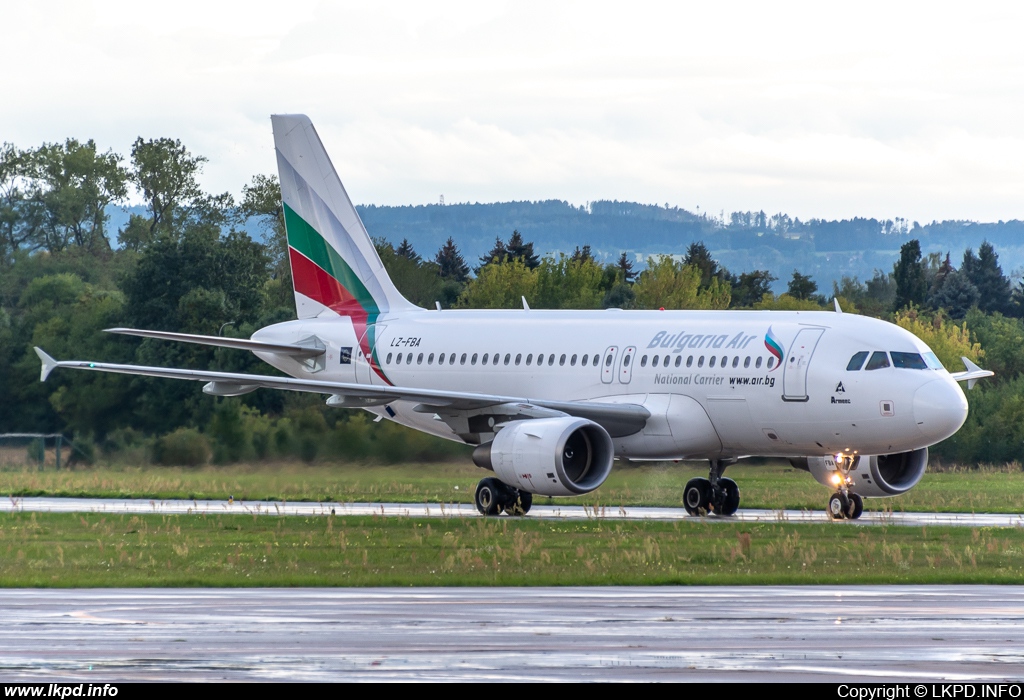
837, 633
182, 507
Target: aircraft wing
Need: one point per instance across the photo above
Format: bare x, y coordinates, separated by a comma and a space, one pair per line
299, 351
972, 375
617, 417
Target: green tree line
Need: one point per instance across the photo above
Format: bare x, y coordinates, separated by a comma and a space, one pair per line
188, 265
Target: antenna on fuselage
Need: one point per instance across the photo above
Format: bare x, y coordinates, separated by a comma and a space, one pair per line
526, 307
835, 300
438, 305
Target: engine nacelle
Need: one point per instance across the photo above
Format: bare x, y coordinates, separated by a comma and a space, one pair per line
549, 456
874, 476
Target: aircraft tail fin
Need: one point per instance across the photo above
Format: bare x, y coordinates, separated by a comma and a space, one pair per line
334, 264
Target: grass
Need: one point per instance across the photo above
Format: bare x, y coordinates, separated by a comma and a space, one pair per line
771, 486
72, 550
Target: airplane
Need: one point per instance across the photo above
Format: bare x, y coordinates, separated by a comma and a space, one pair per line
550, 399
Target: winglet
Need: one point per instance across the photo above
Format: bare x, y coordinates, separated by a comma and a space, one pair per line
49, 364
973, 373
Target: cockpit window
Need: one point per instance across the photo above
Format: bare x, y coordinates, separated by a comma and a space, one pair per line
857, 361
879, 360
908, 360
932, 361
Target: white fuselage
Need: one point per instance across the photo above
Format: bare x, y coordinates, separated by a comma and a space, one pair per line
712, 383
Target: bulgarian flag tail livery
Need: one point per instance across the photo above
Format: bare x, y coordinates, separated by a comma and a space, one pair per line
335, 268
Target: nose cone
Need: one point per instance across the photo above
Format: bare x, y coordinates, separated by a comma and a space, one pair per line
940, 408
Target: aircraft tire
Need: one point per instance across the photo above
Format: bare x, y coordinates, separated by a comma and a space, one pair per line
697, 496
838, 506
731, 503
489, 496
525, 501
856, 506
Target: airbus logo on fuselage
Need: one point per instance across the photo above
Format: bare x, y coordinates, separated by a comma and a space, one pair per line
682, 341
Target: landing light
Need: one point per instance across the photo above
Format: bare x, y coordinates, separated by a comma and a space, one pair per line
836, 479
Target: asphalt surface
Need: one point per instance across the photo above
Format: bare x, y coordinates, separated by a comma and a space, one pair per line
837, 633
413, 510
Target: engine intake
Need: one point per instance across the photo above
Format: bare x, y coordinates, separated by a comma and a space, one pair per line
874, 476
549, 456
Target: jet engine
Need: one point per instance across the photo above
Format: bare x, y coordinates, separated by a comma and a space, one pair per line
549, 456
874, 476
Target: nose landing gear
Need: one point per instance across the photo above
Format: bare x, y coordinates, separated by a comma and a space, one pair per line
494, 496
716, 494
844, 504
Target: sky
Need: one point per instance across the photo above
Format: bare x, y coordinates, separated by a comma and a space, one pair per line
831, 110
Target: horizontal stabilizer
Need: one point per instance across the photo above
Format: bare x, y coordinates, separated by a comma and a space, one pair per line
48, 364
297, 351
973, 373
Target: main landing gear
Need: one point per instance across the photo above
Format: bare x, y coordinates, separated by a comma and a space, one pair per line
716, 494
493, 496
844, 504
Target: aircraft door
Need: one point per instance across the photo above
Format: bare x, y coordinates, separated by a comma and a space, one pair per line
794, 374
626, 365
368, 369
608, 364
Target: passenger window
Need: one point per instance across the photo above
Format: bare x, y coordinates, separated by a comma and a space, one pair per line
451, 358
758, 363
608, 360
398, 360
664, 363
572, 361
643, 361
483, 361
595, 360
857, 361
495, 359
879, 360
440, 359
519, 358
689, 360
679, 360
419, 359
625, 360
583, 362
561, 361
472, 360
771, 362
711, 362
746, 362
736, 362
654, 361
430, 359
408, 359
529, 359
551, 359
908, 360
388, 361
508, 358
462, 360
700, 361
725, 361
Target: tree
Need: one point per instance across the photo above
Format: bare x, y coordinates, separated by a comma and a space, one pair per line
986, 275
73, 184
698, 256
909, 275
497, 254
626, 268
672, 285
165, 173
261, 199
581, 255
405, 250
568, 283
750, 287
19, 218
802, 287
520, 250
956, 295
451, 265
948, 340
500, 285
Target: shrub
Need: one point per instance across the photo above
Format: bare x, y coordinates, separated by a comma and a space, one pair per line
184, 447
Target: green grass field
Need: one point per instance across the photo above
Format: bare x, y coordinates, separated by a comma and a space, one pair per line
771, 486
71, 550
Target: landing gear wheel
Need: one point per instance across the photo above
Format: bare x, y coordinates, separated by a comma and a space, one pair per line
731, 502
697, 496
838, 506
518, 502
490, 496
856, 507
